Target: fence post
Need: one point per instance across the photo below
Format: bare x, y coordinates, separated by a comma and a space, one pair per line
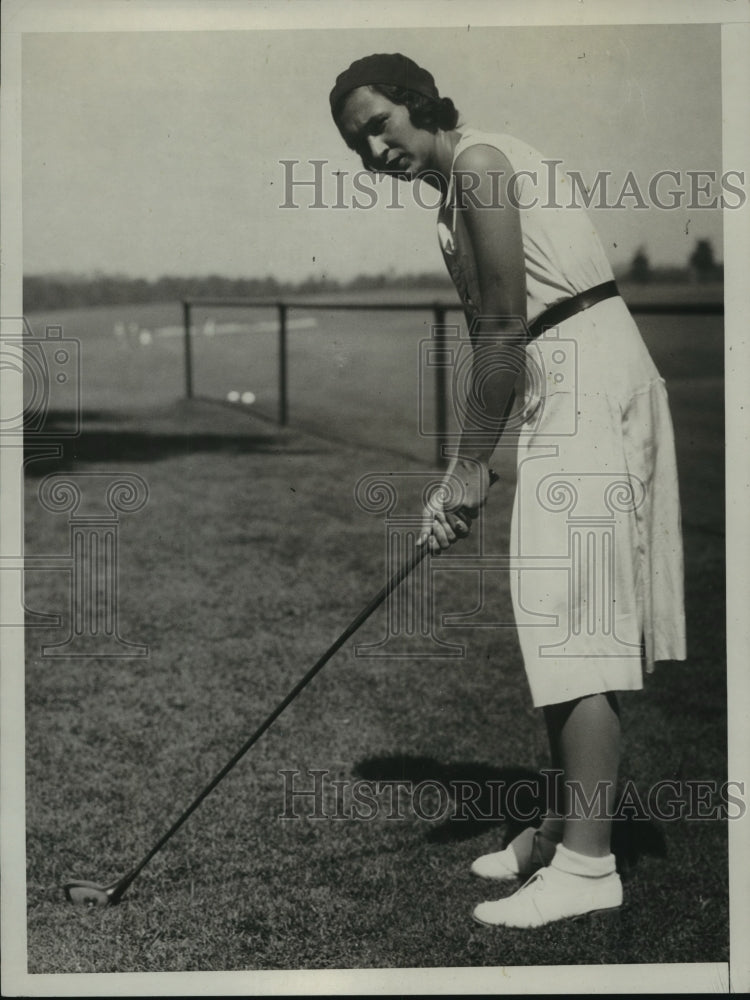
282, 364
441, 422
188, 350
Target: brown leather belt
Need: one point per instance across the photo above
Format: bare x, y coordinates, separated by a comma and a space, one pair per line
561, 311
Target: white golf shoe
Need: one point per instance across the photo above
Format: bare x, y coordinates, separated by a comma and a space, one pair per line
530, 851
552, 894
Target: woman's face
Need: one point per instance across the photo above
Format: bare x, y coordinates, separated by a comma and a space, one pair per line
383, 135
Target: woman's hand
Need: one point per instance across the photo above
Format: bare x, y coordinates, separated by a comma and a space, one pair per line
454, 504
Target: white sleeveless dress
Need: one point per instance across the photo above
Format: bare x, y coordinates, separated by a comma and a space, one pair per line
595, 541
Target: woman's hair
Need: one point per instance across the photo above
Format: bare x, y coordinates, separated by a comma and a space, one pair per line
424, 112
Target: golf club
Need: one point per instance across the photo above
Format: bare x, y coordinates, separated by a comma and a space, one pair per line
85, 893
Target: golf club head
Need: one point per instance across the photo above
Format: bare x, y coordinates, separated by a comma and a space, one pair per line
82, 893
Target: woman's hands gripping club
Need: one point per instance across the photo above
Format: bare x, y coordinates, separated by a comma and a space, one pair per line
455, 504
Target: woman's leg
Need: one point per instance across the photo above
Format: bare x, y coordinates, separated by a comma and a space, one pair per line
581, 877
584, 737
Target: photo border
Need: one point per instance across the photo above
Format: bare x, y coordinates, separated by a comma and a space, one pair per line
157, 15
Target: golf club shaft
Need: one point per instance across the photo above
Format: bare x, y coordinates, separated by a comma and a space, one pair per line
414, 559
418, 554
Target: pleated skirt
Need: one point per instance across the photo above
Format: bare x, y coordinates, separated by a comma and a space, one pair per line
596, 542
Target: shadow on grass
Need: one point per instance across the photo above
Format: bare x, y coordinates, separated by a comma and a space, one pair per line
186, 428
483, 796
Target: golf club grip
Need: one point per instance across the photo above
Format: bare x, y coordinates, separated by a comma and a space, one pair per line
416, 557
468, 514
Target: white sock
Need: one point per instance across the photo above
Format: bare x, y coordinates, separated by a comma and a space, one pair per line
574, 863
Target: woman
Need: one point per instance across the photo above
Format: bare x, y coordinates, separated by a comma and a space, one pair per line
597, 567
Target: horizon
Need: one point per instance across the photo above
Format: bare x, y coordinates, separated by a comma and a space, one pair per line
438, 274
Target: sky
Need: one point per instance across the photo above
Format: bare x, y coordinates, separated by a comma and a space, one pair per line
160, 152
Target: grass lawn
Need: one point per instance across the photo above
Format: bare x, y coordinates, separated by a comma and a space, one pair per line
249, 558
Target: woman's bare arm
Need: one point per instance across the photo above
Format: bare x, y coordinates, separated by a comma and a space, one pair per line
498, 337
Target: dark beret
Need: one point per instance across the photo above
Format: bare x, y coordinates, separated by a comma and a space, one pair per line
394, 69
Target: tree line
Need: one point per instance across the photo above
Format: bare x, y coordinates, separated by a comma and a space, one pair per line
45, 292
701, 266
